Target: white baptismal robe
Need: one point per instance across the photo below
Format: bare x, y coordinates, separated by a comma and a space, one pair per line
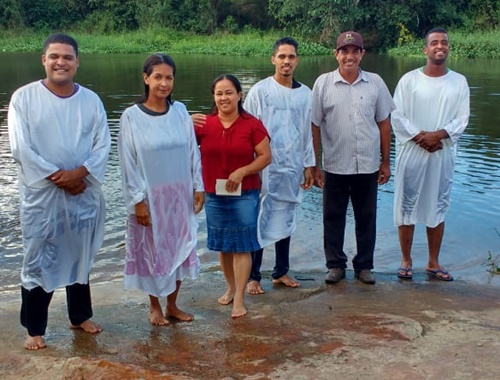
286, 114
161, 165
423, 180
61, 232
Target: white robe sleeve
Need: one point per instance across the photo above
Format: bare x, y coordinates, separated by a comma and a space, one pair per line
403, 129
133, 181
96, 163
457, 125
252, 103
33, 167
195, 156
309, 156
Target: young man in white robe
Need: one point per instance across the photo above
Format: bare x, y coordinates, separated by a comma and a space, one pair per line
284, 106
432, 113
60, 141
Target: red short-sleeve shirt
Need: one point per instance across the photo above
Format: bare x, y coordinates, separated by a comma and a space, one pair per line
223, 150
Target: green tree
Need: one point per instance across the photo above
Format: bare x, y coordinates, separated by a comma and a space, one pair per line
322, 19
207, 16
43, 14
380, 21
113, 15
11, 14
154, 13
483, 14
251, 12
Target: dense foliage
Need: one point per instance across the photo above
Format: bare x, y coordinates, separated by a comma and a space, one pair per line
250, 43
385, 23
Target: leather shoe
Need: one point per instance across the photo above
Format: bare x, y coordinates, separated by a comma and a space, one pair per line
365, 276
334, 275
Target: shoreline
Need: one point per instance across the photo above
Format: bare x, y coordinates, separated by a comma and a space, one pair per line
422, 329
251, 43
480, 44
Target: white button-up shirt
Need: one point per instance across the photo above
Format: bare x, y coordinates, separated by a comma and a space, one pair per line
347, 115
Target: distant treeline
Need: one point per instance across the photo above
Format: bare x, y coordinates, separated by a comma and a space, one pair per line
384, 23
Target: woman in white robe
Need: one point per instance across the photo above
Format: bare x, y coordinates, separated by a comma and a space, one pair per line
163, 191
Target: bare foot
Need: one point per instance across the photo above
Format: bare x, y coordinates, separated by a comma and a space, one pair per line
226, 298
254, 288
238, 312
287, 281
156, 317
88, 326
34, 342
178, 314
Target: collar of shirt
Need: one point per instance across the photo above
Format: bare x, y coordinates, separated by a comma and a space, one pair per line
339, 78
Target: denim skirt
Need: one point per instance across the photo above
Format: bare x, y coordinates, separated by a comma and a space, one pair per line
232, 221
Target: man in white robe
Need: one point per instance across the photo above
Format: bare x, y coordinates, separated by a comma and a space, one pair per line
284, 106
60, 141
432, 113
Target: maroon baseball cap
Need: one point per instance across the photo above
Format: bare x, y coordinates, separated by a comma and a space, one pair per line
350, 38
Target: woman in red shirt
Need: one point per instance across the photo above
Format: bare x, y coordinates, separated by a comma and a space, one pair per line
234, 148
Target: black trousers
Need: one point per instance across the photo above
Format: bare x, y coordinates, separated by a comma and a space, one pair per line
281, 264
35, 307
362, 190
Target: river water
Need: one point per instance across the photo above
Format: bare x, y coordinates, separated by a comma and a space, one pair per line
472, 225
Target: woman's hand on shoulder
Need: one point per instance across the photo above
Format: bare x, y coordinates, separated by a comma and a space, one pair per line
199, 119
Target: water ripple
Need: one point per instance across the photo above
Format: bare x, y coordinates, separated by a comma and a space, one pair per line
471, 226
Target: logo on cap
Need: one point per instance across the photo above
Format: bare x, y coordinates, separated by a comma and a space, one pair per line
349, 38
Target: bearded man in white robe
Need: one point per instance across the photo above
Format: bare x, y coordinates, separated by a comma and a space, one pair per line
284, 106
60, 141
432, 113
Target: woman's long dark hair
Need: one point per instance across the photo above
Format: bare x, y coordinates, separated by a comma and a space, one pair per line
151, 61
237, 85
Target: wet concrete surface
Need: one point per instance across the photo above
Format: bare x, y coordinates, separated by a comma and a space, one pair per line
420, 329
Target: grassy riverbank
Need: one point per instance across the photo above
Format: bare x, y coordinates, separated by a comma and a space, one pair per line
250, 43
463, 45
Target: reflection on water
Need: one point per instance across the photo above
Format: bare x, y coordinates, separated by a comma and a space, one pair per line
471, 222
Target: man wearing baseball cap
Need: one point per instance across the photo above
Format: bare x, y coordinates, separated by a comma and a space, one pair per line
350, 119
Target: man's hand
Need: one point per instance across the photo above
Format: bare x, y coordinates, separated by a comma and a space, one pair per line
78, 189
430, 141
308, 178
384, 173
319, 179
70, 180
199, 200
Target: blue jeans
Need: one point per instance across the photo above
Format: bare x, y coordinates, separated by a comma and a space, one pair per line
362, 190
282, 262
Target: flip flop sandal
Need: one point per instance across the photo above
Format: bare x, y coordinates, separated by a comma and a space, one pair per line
440, 274
405, 273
